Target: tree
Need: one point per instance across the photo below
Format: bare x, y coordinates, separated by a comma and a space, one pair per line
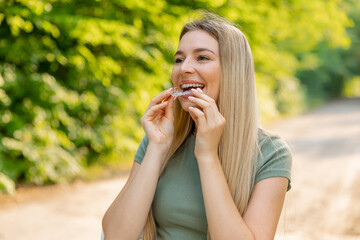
76, 76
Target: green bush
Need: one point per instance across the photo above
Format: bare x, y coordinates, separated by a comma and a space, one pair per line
76, 76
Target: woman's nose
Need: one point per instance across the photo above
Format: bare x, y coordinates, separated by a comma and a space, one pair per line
187, 66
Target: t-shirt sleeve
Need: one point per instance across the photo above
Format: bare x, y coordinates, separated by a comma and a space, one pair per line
274, 160
140, 153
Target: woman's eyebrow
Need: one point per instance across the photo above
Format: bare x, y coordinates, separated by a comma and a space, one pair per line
196, 50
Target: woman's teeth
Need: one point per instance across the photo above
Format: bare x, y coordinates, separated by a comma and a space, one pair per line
191, 85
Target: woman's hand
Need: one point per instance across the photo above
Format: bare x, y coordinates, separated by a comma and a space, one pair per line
209, 123
158, 120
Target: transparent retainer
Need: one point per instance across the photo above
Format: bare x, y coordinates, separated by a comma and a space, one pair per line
177, 92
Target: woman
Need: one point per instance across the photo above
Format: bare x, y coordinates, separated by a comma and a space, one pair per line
205, 169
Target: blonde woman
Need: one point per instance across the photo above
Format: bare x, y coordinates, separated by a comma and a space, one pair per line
205, 169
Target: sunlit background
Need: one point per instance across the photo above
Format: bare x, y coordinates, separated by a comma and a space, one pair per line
76, 76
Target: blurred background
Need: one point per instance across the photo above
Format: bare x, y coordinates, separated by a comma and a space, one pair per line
76, 76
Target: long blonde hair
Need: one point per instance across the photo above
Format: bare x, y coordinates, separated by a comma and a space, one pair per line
237, 103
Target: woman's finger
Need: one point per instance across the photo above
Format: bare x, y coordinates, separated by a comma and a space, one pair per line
200, 94
194, 117
210, 109
160, 97
169, 110
154, 109
200, 116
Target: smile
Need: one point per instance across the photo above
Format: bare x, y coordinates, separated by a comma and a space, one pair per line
189, 86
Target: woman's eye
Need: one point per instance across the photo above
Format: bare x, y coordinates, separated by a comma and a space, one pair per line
178, 60
203, 58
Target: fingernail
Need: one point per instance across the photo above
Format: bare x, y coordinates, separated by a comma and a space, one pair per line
194, 90
190, 97
199, 89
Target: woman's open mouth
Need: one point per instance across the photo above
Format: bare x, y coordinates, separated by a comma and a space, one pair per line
185, 89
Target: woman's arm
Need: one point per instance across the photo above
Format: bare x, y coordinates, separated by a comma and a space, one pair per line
126, 217
223, 217
224, 220
264, 209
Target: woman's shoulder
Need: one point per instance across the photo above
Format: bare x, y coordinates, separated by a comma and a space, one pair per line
270, 140
274, 157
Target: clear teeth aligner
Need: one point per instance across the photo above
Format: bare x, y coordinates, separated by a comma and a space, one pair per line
180, 93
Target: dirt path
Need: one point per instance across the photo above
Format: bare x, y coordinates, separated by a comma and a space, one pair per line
324, 202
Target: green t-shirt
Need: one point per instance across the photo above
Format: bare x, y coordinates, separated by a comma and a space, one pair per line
178, 204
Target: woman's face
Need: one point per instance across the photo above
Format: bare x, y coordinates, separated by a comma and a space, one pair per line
197, 64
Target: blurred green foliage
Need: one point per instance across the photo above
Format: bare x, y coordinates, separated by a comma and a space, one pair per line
76, 76
337, 70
